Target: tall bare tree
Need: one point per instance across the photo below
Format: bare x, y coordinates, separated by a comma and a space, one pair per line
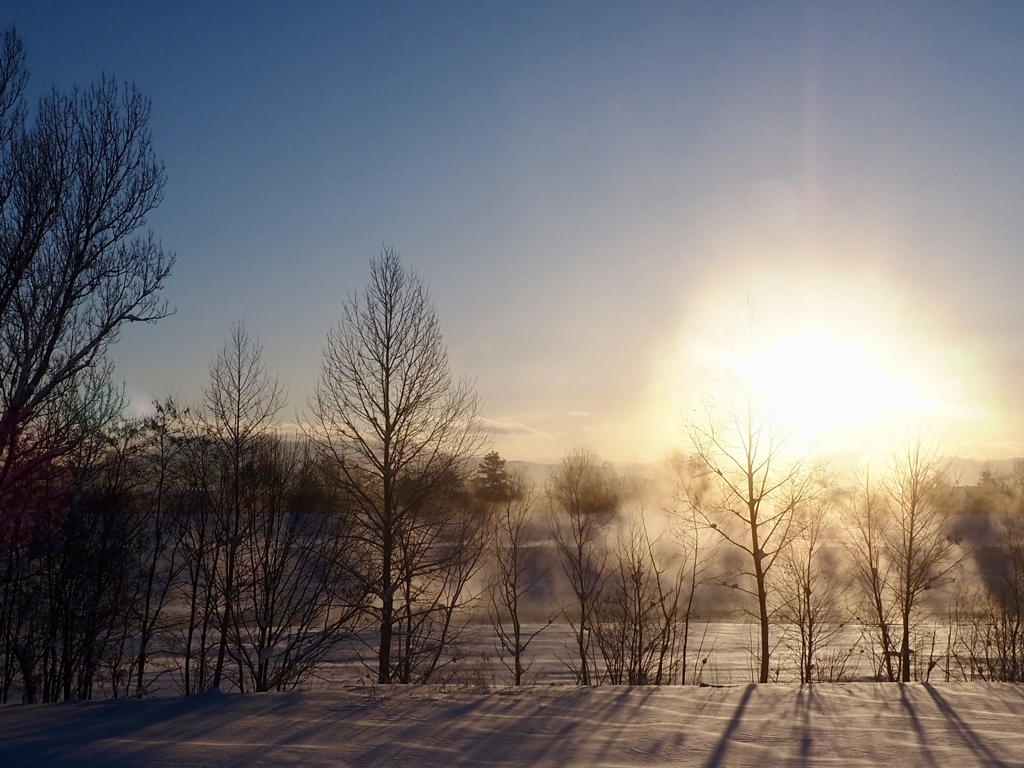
699, 551
241, 406
517, 567
755, 484
867, 520
584, 500
398, 432
76, 184
810, 588
920, 544
904, 547
160, 561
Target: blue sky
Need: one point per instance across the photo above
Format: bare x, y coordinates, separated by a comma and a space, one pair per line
587, 188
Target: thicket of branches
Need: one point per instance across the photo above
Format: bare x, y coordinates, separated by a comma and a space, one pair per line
162, 549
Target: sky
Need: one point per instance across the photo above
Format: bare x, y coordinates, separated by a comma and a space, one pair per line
594, 193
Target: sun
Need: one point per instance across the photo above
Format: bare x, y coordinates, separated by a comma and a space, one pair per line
839, 364
829, 389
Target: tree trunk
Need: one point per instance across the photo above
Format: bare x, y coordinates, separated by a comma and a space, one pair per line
762, 604
905, 647
387, 610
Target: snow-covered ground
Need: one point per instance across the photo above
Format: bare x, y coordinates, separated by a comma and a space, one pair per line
854, 724
340, 720
719, 653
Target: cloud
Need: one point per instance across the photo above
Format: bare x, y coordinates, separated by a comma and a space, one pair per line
505, 427
580, 414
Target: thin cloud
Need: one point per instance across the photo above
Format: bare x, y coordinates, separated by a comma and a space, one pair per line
505, 427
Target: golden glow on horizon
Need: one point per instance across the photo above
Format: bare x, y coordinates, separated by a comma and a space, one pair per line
825, 389
841, 362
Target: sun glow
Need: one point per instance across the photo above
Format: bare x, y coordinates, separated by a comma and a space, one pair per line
829, 390
839, 364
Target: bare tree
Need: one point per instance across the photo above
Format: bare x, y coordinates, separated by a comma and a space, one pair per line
810, 591
517, 568
995, 636
197, 587
920, 543
867, 520
754, 490
640, 608
699, 551
294, 598
904, 547
78, 568
241, 406
160, 559
397, 432
76, 184
584, 499
219, 448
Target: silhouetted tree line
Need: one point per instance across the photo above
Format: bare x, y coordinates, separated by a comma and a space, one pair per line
895, 576
202, 544
205, 548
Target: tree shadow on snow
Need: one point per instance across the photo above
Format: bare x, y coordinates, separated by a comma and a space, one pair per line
805, 700
973, 741
518, 728
45, 733
716, 757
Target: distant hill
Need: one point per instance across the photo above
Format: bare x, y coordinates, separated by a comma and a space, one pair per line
967, 471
